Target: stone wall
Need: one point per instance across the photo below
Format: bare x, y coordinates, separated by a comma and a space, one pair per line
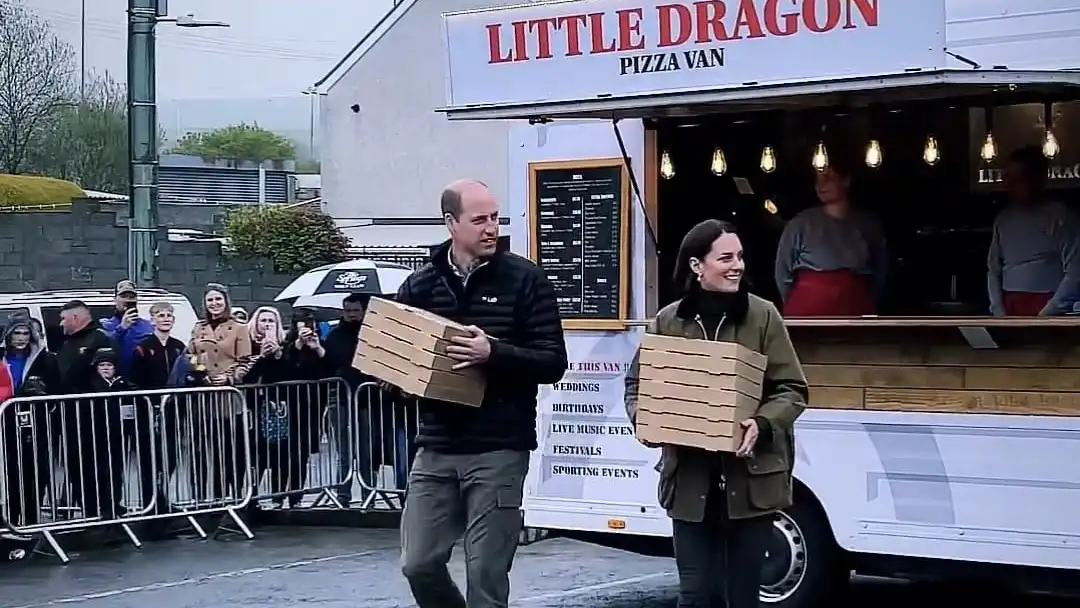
87, 249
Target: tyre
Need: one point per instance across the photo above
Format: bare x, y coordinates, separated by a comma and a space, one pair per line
804, 568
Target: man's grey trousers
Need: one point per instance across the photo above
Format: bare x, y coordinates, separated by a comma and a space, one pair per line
450, 496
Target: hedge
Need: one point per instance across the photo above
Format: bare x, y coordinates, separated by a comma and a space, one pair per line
295, 238
28, 190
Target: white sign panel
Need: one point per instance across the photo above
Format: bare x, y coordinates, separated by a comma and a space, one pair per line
589, 49
587, 449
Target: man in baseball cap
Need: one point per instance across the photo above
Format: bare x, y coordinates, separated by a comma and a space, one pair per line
125, 326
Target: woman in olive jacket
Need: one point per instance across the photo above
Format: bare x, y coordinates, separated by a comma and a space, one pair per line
722, 504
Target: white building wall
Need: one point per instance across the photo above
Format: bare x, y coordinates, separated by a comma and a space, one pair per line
393, 158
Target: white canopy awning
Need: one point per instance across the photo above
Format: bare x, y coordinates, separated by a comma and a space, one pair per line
911, 86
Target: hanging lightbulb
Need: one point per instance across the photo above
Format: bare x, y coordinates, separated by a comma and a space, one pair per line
820, 160
667, 170
770, 206
930, 153
1050, 145
988, 151
719, 163
768, 160
874, 156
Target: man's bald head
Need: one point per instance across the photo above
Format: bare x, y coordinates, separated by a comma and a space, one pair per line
471, 214
454, 192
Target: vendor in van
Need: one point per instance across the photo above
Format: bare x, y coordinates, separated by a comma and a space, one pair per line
1034, 259
832, 258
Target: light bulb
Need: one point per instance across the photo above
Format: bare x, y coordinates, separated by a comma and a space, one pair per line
768, 159
988, 151
1050, 145
874, 155
820, 160
667, 170
930, 153
770, 206
719, 163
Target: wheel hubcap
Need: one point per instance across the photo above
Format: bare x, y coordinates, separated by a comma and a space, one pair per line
785, 561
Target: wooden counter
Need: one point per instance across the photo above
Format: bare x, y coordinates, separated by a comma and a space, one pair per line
942, 364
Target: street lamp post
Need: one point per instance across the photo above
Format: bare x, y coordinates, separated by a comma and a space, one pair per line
143, 17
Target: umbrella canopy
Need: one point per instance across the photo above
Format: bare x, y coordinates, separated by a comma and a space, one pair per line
327, 286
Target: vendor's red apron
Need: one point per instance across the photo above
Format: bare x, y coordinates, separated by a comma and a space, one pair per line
829, 293
1025, 303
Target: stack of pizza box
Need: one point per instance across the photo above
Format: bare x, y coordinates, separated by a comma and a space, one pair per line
695, 393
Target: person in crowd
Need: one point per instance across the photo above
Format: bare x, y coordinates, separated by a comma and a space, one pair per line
82, 338
223, 347
26, 369
1034, 257
311, 399
239, 314
82, 422
125, 326
340, 345
341, 342
832, 258
468, 474
275, 453
152, 362
102, 451
722, 514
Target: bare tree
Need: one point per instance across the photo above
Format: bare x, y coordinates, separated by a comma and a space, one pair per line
36, 79
86, 144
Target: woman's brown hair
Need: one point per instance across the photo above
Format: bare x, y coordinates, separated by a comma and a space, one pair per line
696, 244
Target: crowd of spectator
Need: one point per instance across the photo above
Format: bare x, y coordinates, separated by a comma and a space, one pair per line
289, 375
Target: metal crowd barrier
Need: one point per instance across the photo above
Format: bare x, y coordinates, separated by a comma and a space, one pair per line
384, 428
292, 461
75, 462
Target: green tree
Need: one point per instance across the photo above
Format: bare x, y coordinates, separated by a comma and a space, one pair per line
237, 142
296, 239
87, 144
36, 80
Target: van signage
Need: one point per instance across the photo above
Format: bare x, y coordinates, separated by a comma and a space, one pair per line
581, 49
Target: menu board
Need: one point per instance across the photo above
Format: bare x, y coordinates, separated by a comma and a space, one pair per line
579, 215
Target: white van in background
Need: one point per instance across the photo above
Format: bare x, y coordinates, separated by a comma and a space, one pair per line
45, 307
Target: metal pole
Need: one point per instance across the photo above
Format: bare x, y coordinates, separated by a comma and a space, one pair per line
143, 142
311, 126
82, 55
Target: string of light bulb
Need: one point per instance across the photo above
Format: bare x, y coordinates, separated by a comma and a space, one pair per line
875, 153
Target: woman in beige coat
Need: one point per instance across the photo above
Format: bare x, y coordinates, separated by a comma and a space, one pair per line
722, 504
220, 341
222, 345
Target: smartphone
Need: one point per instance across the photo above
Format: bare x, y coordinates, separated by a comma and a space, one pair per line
130, 306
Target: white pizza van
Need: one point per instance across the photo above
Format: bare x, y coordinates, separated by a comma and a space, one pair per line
677, 111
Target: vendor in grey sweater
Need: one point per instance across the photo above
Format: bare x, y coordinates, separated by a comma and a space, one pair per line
831, 259
1034, 258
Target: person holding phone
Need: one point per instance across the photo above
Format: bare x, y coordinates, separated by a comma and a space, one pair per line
125, 326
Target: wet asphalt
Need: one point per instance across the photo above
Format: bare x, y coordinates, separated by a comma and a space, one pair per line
347, 567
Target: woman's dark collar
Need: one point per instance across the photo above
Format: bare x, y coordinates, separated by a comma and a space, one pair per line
689, 306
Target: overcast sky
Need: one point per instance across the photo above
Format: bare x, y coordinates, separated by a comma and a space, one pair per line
273, 47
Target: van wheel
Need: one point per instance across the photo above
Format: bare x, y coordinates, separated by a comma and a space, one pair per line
803, 566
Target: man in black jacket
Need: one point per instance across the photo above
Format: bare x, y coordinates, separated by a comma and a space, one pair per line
340, 345
469, 472
83, 422
82, 339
